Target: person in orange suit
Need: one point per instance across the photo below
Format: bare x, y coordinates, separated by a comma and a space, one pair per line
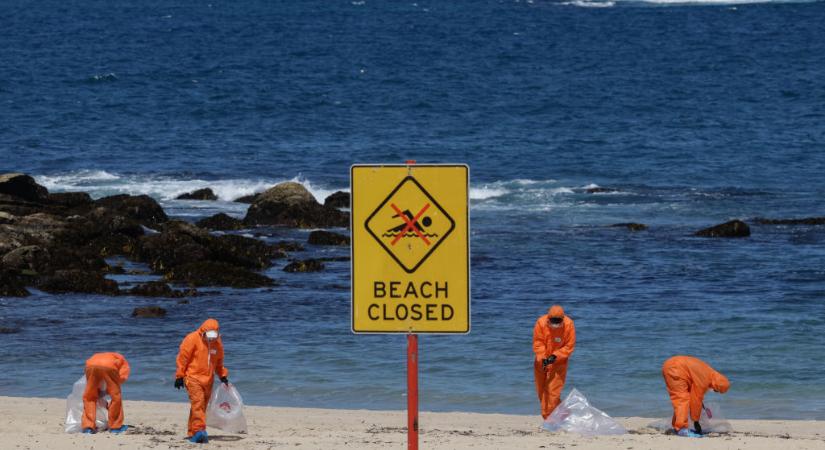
687, 380
199, 359
112, 369
554, 339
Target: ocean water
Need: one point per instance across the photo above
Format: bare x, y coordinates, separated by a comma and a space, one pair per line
695, 112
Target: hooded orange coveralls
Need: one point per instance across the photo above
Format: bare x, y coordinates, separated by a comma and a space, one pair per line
552, 341
113, 369
198, 362
687, 380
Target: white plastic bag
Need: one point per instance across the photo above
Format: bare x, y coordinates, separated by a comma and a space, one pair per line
575, 415
74, 408
225, 409
715, 423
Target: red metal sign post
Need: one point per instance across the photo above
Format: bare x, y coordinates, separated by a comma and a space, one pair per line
412, 370
412, 391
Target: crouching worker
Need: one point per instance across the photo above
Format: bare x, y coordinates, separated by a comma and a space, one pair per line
554, 339
113, 370
199, 359
687, 380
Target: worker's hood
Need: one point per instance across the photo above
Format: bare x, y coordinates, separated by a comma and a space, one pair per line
556, 312
209, 325
719, 383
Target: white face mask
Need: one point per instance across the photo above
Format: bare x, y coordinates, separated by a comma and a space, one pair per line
211, 335
555, 325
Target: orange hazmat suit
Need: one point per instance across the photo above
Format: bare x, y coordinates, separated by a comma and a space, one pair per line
198, 361
556, 341
687, 380
112, 369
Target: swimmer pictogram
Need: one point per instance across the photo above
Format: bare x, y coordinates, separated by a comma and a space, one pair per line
409, 224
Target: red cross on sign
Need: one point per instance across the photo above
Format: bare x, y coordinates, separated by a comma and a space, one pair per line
412, 225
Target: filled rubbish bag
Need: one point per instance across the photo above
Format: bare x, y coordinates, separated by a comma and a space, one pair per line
225, 409
575, 415
74, 408
713, 423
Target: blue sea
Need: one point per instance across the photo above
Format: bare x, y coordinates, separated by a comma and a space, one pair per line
695, 113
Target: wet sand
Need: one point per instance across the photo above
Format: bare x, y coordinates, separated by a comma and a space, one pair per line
37, 423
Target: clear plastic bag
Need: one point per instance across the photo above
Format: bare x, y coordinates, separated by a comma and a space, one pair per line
713, 423
74, 408
575, 415
225, 409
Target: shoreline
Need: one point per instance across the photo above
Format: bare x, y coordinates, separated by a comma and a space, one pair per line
33, 423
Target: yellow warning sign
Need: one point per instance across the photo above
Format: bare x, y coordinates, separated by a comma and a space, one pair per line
410, 249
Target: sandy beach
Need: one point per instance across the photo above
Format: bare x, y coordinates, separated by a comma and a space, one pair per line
36, 423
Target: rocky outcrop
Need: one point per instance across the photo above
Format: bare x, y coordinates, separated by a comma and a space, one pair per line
291, 204
600, 190
321, 237
248, 199
57, 243
804, 221
12, 285
222, 222
731, 229
141, 208
160, 289
181, 243
306, 265
70, 199
631, 226
339, 199
23, 187
211, 273
65, 281
200, 194
149, 312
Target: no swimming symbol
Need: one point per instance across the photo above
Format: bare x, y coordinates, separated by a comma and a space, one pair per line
419, 234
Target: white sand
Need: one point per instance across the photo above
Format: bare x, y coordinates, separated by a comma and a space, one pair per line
34, 423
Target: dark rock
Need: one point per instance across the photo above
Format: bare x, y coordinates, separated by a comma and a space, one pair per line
27, 258
221, 221
181, 243
334, 258
600, 190
6, 218
339, 199
11, 285
243, 251
200, 194
141, 208
306, 265
159, 289
70, 199
63, 281
732, 229
22, 186
249, 199
631, 226
211, 273
149, 312
321, 237
805, 221
290, 246
291, 204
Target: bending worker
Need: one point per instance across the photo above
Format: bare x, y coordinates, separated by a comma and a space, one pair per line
113, 370
554, 339
199, 359
687, 380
